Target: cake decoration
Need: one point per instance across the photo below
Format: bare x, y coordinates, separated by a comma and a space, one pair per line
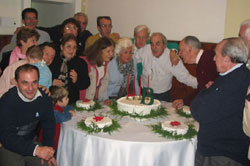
184, 112
172, 129
87, 105
96, 124
134, 109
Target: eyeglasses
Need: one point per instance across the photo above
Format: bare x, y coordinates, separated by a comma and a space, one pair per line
70, 27
106, 26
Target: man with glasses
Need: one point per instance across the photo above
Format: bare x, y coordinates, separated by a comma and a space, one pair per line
104, 26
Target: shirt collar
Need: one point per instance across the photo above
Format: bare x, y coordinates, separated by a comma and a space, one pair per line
199, 56
38, 93
232, 69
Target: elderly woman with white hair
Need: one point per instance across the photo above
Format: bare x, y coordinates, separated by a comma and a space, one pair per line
122, 71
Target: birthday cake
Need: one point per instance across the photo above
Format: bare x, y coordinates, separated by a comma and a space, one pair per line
99, 121
86, 104
175, 127
133, 105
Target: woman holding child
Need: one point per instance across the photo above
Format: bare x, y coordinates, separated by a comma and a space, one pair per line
70, 71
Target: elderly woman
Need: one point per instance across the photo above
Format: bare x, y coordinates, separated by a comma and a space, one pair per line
97, 57
70, 71
121, 70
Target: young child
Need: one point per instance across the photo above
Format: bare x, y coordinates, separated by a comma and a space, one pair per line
35, 57
62, 111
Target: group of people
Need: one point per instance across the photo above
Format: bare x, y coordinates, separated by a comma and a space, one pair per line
103, 67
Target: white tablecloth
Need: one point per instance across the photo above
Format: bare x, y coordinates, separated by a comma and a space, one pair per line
133, 145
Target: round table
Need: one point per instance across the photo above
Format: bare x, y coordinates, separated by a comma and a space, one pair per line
133, 145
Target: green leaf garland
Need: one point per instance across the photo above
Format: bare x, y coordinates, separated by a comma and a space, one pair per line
94, 129
158, 129
183, 114
153, 114
96, 106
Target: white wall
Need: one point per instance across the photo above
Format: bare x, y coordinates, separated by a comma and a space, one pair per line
175, 18
10, 12
51, 13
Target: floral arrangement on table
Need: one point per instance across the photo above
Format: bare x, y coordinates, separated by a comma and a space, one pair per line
96, 124
160, 112
187, 132
92, 108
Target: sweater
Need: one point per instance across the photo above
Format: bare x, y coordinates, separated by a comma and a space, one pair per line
18, 122
219, 110
81, 68
95, 88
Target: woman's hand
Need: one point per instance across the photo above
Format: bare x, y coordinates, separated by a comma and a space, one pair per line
73, 75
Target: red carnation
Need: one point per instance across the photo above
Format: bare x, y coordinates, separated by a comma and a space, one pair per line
175, 123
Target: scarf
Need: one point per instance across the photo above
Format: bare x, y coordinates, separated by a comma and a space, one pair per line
127, 70
64, 74
16, 55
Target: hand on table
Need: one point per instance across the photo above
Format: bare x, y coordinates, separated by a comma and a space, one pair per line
178, 103
72, 112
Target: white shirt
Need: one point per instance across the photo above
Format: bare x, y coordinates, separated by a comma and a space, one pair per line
160, 71
199, 56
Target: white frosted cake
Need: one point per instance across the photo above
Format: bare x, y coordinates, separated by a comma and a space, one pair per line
175, 127
86, 104
186, 110
133, 105
100, 121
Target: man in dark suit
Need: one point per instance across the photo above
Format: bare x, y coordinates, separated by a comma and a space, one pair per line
219, 109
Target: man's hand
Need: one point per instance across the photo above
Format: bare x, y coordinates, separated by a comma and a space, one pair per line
51, 162
174, 58
58, 82
44, 152
209, 84
178, 103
